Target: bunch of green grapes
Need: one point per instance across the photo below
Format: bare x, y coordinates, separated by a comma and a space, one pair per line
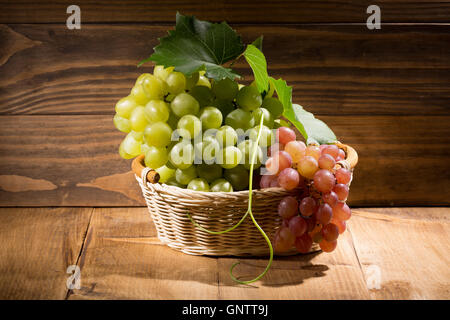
197, 133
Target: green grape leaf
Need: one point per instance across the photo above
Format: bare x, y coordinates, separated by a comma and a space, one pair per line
198, 45
258, 43
311, 128
257, 62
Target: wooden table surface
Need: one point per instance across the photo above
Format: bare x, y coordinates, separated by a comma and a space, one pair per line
120, 257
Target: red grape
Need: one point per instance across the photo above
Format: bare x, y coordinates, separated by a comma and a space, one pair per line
283, 240
343, 176
308, 206
288, 207
307, 167
324, 180
330, 232
326, 162
285, 134
327, 246
311, 223
266, 180
324, 214
341, 154
297, 225
330, 197
317, 237
274, 149
313, 151
296, 149
342, 225
341, 211
341, 190
274, 184
303, 243
288, 179
280, 161
332, 150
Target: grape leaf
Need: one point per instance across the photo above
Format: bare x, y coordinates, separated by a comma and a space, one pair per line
257, 62
311, 128
258, 42
198, 45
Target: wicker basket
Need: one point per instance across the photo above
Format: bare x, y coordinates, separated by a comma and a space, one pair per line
169, 207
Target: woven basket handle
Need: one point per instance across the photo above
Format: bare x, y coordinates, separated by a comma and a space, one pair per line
150, 175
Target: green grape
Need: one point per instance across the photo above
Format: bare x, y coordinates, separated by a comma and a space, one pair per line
274, 106
123, 153
154, 87
155, 157
158, 134
125, 106
240, 119
203, 81
246, 148
176, 82
170, 97
173, 121
267, 118
209, 172
141, 77
226, 136
186, 175
224, 106
137, 135
138, 94
249, 98
174, 183
225, 89
192, 80
144, 148
122, 124
267, 137
221, 185
182, 155
131, 145
280, 123
211, 118
157, 111
138, 119
192, 126
165, 173
198, 184
161, 72
210, 149
238, 177
202, 94
184, 104
229, 157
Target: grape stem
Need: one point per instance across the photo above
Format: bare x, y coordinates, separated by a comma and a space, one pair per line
249, 212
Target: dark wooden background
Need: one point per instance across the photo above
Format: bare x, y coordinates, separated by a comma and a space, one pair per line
386, 92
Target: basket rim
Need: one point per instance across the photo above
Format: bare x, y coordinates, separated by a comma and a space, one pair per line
138, 165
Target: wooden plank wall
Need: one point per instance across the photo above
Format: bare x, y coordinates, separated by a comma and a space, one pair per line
386, 92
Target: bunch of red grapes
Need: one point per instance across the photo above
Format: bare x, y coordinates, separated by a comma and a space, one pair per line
319, 212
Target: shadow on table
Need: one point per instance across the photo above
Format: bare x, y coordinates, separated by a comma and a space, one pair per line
284, 271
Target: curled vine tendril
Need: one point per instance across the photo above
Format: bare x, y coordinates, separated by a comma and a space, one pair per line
249, 212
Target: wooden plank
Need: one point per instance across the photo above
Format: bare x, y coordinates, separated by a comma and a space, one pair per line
265, 11
36, 248
313, 276
409, 253
123, 259
73, 161
339, 69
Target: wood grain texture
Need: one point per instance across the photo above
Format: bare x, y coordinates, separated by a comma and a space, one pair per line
122, 258
264, 11
36, 248
346, 70
73, 161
